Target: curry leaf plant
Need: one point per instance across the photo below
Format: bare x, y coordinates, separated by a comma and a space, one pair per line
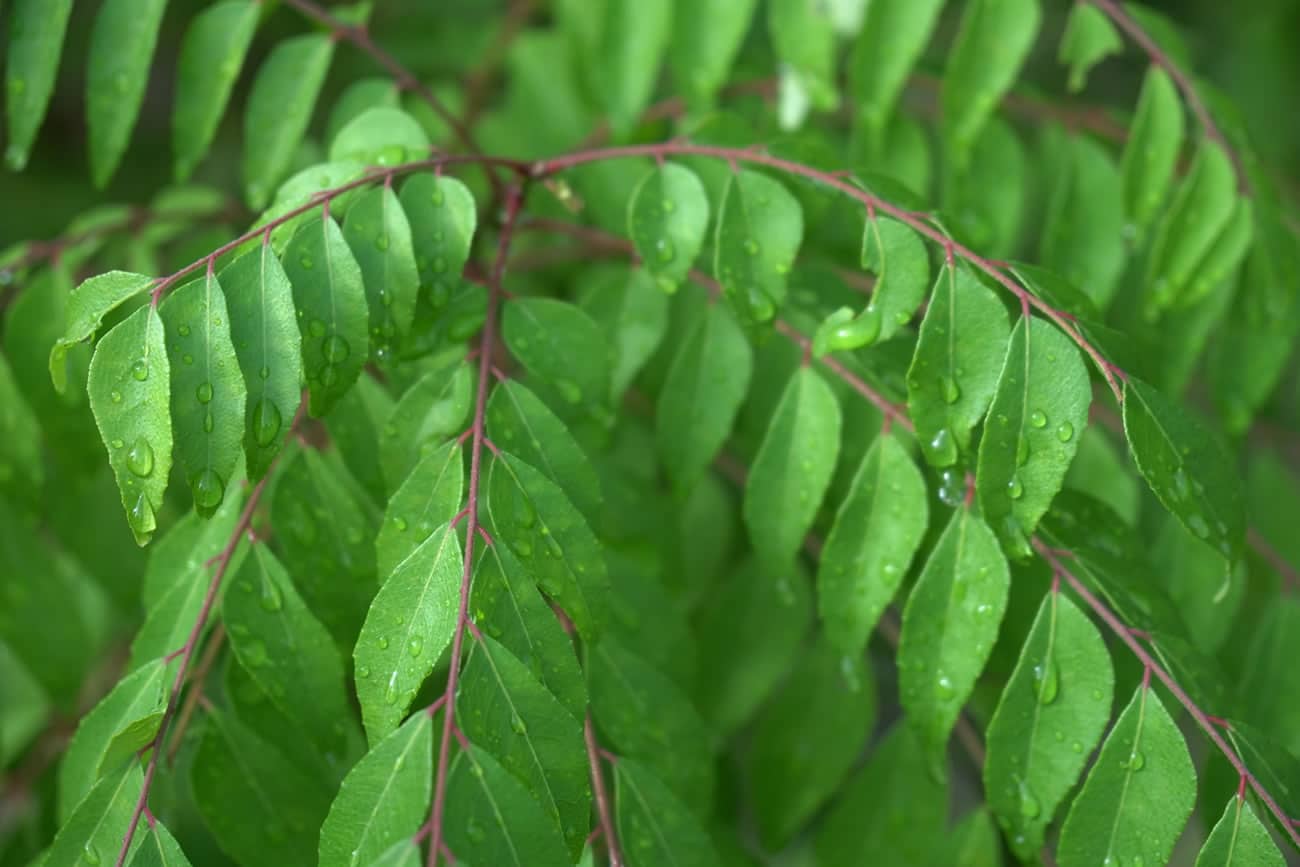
628, 433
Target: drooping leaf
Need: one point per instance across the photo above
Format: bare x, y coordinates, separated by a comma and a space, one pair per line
1089, 38
949, 626
1083, 237
1062, 685
666, 218
1139, 794
561, 346
129, 395
356, 427
706, 37
760, 228
803, 36
1186, 467
279, 108
410, 622
383, 799
211, 56
443, 218
208, 393
35, 44
988, 192
434, 408
89, 303
894, 33
1220, 262
331, 300
634, 315
654, 826
377, 230
1155, 140
877, 529
158, 848
429, 498
621, 44
117, 70
1239, 839
95, 830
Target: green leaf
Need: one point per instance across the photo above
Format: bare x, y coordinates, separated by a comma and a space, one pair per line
435, 408
1101, 471
1062, 685
560, 345
95, 830
632, 312
26, 708
1186, 467
208, 393
331, 300
429, 498
279, 109
954, 372
1083, 235
988, 192
158, 848
171, 618
1239, 839
22, 469
706, 37
443, 218
654, 827
358, 97
117, 70
405, 853
808, 738
211, 56
121, 724
894, 33
289, 654
355, 426
519, 422
380, 136
760, 228
1221, 260
1139, 794
261, 809
622, 44
506, 604
493, 819
991, 45
702, 394
504, 710
380, 237
1032, 434
533, 516
793, 468
803, 36
129, 393
897, 256
1208, 597
1089, 38
666, 218
383, 799
409, 624
36, 30
1151, 154
89, 303
949, 626
877, 530
267, 344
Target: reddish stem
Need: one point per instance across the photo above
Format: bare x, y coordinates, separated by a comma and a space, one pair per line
603, 813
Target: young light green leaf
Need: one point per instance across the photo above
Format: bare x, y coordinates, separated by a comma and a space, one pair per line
443, 217
1032, 434
1083, 236
894, 33
807, 739
208, 393
760, 228
435, 408
949, 626
95, 830
1186, 467
89, 303
991, 45
507, 604
332, 316
211, 56
666, 219
793, 467
410, 622
1089, 38
158, 848
268, 347
493, 819
532, 515
1062, 685
383, 799
505, 711
654, 826
380, 237
428, 498
1224, 255
632, 312
1154, 142
35, 44
129, 395
117, 70
1139, 794
121, 724
706, 37
279, 109
1239, 839
522, 424
560, 345
287, 651
877, 529
381, 136
954, 372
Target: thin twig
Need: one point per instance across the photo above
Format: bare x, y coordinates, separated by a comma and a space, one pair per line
210, 654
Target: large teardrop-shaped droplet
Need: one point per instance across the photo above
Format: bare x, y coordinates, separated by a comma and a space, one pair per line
139, 459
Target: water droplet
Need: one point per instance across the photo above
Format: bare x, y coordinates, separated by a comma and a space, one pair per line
1029, 806
849, 671
1198, 525
400, 524
115, 396
1038, 418
943, 449
140, 370
117, 444
952, 487
949, 388
271, 599
208, 422
1022, 452
390, 694
187, 358
522, 547
1181, 486
139, 459
517, 723
266, 422
944, 688
383, 643
363, 672
209, 490
751, 247
415, 646
473, 829
1046, 681
316, 328
1136, 761
437, 196
569, 390
306, 262
1065, 431
1015, 490
204, 393
335, 349
184, 330
381, 243
254, 654
90, 854
142, 516
664, 250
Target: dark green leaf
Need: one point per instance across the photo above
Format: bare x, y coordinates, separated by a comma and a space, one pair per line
634, 315
666, 218
22, 469
380, 237
1239, 839
158, 848
803, 37
654, 827
35, 44
358, 97
894, 33
760, 228
442, 216
435, 408
95, 830
706, 37
897, 256
89, 303
1083, 237
429, 498
356, 425
380, 136
117, 70
561, 345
